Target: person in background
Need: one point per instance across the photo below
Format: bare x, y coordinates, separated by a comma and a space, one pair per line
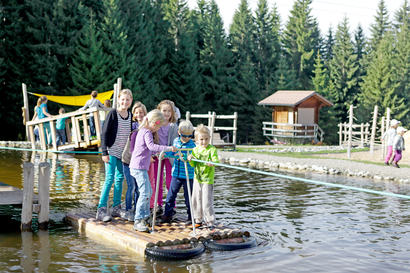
179, 179
103, 114
35, 117
42, 112
390, 134
203, 192
398, 146
93, 102
60, 128
114, 136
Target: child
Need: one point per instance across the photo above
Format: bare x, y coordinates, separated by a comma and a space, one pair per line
42, 112
138, 111
185, 130
60, 128
166, 134
203, 193
391, 134
35, 117
140, 160
114, 136
93, 102
398, 146
103, 114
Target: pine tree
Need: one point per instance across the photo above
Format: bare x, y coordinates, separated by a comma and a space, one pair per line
90, 69
378, 86
328, 47
343, 68
359, 45
328, 121
402, 15
285, 78
380, 26
301, 39
215, 60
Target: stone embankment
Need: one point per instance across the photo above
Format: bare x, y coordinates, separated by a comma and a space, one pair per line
257, 158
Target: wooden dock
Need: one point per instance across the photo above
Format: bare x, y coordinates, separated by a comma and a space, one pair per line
12, 196
121, 232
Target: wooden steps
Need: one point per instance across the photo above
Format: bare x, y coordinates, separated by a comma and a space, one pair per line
12, 196
122, 233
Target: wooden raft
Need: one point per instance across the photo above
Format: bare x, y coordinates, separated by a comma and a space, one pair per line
121, 232
10, 195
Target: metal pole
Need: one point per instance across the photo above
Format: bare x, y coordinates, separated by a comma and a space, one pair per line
154, 213
189, 197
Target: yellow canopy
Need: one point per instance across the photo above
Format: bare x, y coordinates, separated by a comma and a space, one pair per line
77, 100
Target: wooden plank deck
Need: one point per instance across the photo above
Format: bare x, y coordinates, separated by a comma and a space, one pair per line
121, 232
12, 196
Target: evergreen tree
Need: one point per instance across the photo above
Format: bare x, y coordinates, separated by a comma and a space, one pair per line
301, 39
329, 119
215, 60
380, 26
285, 77
401, 58
359, 45
378, 86
90, 69
328, 48
342, 70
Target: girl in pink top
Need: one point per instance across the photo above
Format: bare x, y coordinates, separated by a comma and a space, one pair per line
166, 134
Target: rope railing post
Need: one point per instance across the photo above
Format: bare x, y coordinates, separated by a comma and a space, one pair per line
189, 193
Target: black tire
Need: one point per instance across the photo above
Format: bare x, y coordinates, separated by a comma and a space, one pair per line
177, 254
214, 245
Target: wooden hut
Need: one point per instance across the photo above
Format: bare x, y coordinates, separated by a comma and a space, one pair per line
295, 115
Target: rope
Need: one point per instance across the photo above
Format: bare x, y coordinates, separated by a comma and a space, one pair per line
307, 180
60, 152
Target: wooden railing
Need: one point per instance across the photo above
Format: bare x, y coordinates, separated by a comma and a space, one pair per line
75, 117
273, 129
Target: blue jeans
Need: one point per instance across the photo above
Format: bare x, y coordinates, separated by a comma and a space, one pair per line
60, 136
47, 136
131, 189
176, 184
145, 192
92, 126
113, 170
37, 134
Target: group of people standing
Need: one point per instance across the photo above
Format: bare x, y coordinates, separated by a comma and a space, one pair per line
131, 142
395, 143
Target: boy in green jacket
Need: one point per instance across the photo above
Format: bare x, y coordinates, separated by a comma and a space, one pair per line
203, 192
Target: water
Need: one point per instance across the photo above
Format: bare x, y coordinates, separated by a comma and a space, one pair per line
299, 227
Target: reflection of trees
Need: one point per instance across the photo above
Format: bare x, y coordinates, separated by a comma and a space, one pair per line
296, 192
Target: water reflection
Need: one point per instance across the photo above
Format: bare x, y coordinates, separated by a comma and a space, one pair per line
299, 226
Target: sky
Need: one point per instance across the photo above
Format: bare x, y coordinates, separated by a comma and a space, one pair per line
327, 11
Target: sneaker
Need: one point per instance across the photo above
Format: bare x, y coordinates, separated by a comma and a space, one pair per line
210, 229
188, 222
160, 211
197, 225
129, 216
386, 163
102, 215
116, 211
174, 211
165, 219
394, 164
141, 226
122, 214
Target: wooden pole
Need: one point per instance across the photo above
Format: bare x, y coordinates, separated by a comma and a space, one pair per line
373, 129
367, 132
340, 134
97, 124
42, 136
235, 126
349, 143
362, 134
114, 99
28, 192
43, 194
383, 142
213, 126
53, 135
387, 119
86, 132
188, 116
26, 109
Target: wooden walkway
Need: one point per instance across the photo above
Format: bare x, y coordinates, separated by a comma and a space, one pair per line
121, 232
12, 196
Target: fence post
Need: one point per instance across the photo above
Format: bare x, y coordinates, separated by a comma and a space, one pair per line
383, 142
340, 134
362, 134
366, 140
212, 126
188, 115
28, 192
349, 143
373, 129
43, 194
235, 125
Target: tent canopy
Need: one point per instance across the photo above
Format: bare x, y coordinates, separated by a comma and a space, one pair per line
77, 100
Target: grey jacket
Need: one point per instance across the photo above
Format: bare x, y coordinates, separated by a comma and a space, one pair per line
391, 134
172, 134
398, 143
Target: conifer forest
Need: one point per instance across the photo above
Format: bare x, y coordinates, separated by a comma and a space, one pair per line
162, 49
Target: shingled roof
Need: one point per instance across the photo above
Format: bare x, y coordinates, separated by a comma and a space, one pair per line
292, 98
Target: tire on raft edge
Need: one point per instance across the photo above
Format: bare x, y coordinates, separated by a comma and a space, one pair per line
175, 254
214, 245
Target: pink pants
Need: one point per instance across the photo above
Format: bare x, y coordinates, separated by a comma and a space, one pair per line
389, 153
168, 178
397, 156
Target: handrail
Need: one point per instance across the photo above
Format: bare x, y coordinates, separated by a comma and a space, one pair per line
293, 133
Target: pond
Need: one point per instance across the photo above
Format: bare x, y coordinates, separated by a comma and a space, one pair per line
299, 227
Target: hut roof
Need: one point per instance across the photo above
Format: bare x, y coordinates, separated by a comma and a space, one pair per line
292, 98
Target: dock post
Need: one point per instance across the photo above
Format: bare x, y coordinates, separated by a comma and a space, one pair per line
383, 142
43, 194
374, 125
28, 192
